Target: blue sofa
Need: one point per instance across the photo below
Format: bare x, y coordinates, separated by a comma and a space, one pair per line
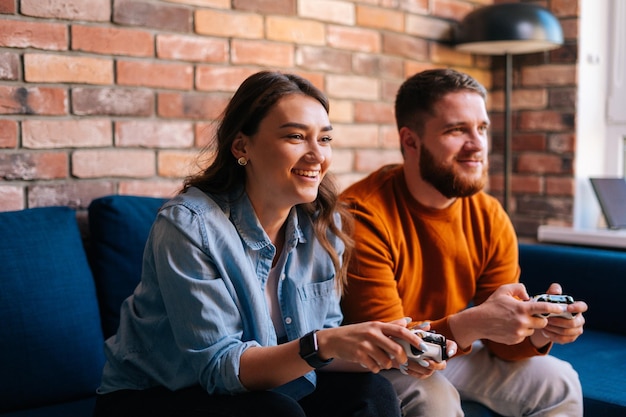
60, 295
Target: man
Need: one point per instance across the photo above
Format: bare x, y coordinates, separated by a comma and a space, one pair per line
430, 242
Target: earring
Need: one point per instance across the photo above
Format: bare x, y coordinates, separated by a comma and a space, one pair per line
242, 161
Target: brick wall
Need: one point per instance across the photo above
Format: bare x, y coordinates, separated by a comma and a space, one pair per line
116, 96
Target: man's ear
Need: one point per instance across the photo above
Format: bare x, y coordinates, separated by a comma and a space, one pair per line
408, 139
238, 148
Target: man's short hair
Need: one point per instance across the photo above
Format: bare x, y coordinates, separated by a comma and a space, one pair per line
418, 94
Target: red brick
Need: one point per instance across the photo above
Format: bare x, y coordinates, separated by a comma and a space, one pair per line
157, 15
205, 134
154, 134
564, 186
284, 7
549, 75
112, 101
11, 197
527, 184
389, 136
331, 11
113, 163
8, 133
443, 54
428, 27
112, 41
374, 112
35, 100
34, 166
539, 163
192, 48
405, 46
157, 75
92, 10
221, 78
191, 106
343, 161
565, 8
355, 136
451, 9
291, 29
38, 35
228, 24
390, 90
368, 160
528, 99
71, 69
8, 6
379, 18
413, 6
529, 142
546, 120
352, 87
177, 164
353, 39
9, 66
323, 59
161, 188
244, 52
46, 134
562, 143
75, 194
220, 4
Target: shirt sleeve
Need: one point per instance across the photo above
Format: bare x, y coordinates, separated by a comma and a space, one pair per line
372, 288
503, 268
203, 315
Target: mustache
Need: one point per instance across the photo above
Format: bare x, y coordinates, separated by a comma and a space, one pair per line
474, 156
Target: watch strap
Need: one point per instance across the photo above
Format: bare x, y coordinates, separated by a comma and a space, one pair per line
309, 351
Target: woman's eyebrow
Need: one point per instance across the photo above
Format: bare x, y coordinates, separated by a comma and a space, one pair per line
303, 126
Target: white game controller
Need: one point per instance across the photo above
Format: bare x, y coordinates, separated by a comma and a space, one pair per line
556, 299
434, 343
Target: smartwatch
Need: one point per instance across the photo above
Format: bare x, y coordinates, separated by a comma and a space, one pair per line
309, 352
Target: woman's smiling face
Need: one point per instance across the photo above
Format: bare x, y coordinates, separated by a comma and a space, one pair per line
289, 154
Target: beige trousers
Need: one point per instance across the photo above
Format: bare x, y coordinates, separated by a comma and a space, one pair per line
541, 386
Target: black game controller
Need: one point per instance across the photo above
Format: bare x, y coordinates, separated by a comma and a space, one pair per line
556, 299
435, 346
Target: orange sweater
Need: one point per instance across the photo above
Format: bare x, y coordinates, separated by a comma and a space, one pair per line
412, 261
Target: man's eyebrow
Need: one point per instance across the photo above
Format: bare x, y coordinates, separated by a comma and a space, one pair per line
303, 126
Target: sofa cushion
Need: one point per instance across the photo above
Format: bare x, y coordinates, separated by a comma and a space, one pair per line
118, 226
51, 346
600, 360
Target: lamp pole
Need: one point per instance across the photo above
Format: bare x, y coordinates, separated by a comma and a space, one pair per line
508, 154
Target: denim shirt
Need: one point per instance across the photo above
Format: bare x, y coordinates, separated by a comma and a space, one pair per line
200, 303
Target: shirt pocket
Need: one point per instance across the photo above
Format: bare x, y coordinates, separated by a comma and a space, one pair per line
318, 290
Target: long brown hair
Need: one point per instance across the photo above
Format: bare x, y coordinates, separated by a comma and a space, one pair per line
245, 111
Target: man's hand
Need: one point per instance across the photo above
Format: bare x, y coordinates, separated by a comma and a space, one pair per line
561, 330
505, 317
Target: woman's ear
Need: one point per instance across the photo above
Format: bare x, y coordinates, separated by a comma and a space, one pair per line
238, 148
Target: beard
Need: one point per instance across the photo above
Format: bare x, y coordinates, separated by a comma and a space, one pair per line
447, 179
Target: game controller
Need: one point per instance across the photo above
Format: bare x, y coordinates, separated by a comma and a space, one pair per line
556, 299
435, 346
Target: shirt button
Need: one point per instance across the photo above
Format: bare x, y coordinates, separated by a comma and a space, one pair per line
282, 277
288, 320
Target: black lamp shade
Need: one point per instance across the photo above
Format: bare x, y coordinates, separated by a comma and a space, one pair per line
508, 28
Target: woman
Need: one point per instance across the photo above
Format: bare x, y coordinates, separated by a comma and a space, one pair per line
238, 304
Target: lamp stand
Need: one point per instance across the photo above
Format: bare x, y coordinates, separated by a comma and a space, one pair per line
508, 158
